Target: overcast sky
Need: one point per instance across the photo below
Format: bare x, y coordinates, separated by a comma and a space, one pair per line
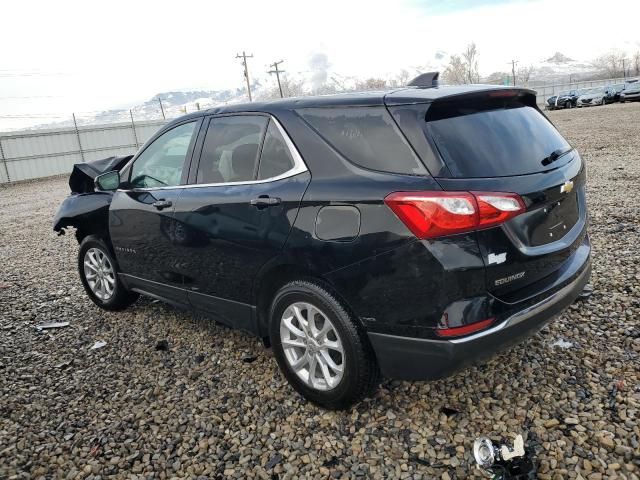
62, 56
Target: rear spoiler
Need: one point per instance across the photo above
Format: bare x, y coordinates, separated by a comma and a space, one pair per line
524, 95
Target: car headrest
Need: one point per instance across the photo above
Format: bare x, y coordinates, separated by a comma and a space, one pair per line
243, 161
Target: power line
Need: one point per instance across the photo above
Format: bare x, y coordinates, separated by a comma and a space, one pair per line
277, 72
244, 57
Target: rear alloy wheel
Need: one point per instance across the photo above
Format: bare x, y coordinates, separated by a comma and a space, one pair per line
312, 346
99, 276
319, 347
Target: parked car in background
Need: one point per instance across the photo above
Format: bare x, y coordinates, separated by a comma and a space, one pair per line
405, 233
596, 96
617, 89
630, 93
565, 99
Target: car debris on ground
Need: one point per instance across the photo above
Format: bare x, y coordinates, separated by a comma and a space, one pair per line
98, 344
52, 325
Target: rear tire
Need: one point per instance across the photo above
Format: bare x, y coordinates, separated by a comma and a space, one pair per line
99, 275
319, 347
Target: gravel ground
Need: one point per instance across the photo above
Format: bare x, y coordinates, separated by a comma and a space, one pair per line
214, 404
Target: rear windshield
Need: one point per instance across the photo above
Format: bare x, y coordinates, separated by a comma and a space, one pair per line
479, 140
367, 136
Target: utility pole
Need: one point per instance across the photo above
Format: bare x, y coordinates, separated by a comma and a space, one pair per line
244, 57
624, 69
277, 72
161, 107
513, 70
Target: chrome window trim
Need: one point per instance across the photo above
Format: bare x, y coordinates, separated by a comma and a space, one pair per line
298, 167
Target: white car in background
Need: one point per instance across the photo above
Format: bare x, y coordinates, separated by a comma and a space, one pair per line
596, 96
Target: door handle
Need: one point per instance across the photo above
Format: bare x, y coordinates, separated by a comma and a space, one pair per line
264, 201
160, 204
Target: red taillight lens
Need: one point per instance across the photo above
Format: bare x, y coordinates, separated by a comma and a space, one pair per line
465, 329
436, 214
497, 208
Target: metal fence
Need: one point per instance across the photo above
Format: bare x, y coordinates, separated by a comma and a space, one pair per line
42, 153
545, 91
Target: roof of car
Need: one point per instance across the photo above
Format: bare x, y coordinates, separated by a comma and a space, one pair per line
375, 97
397, 96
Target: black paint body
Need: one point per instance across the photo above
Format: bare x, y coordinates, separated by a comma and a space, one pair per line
215, 252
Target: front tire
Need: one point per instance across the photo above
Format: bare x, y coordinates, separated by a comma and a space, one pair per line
320, 349
99, 275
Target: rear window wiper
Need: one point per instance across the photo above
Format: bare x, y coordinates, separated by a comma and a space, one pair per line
555, 155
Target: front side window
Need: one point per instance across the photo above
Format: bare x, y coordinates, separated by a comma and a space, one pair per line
276, 158
161, 163
230, 150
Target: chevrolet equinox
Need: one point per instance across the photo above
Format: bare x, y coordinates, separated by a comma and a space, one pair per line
403, 234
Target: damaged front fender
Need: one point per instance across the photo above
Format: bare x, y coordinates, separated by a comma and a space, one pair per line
87, 212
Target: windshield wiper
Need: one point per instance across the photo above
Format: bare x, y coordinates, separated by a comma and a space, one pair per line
555, 155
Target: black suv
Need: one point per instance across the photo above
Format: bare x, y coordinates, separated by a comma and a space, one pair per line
404, 233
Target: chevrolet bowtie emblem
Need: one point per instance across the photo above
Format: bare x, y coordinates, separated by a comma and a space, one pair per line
566, 187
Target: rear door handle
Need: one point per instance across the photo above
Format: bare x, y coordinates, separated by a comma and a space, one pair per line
160, 204
265, 201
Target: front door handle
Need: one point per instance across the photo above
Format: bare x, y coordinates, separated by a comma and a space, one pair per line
160, 204
264, 201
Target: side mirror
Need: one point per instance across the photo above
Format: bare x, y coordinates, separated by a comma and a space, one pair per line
108, 182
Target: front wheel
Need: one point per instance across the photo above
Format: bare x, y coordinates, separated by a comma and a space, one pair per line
568, 105
99, 276
319, 347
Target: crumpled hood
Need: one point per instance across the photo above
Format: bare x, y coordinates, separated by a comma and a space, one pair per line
83, 174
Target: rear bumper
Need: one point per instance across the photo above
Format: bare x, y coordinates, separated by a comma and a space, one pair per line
408, 358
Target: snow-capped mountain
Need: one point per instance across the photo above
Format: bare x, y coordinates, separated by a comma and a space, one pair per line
560, 67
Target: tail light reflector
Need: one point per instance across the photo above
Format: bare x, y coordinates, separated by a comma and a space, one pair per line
465, 329
437, 214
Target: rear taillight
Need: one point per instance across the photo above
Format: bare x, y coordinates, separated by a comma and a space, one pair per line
465, 329
436, 214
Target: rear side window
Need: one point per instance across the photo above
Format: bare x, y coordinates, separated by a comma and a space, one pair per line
367, 136
480, 140
230, 150
275, 158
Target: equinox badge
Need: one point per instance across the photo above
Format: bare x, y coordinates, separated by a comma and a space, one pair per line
566, 187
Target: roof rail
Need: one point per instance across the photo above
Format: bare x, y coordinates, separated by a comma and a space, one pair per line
429, 79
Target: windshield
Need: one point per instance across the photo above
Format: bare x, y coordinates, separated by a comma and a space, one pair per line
594, 90
494, 142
